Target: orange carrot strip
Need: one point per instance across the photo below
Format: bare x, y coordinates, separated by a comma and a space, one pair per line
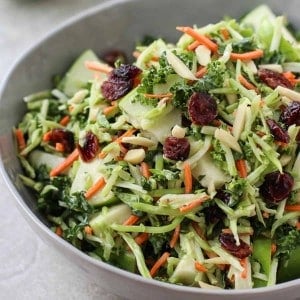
193, 204
65, 164
298, 225
99, 184
273, 248
201, 72
145, 170
107, 110
244, 264
159, 263
188, 178
175, 236
193, 45
242, 168
20, 139
266, 215
142, 238
199, 37
98, 66
168, 95
248, 85
47, 136
59, 147
225, 33
88, 230
131, 220
199, 267
292, 207
247, 55
65, 120
58, 231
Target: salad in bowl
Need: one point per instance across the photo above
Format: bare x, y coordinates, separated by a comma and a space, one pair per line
182, 166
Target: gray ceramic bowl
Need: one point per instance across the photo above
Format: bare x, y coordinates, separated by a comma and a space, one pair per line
114, 23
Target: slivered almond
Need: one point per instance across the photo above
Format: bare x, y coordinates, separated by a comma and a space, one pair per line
179, 67
135, 156
138, 140
227, 139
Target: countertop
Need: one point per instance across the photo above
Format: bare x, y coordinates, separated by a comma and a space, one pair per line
30, 269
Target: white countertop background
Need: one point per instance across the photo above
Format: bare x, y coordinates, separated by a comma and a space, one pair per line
30, 269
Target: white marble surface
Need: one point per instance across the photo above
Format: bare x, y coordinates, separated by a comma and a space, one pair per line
29, 269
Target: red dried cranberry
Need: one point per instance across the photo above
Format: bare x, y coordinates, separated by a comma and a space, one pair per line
119, 82
111, 56
273, 79
223, 195
229, 244
202, 108
63, 136
291, 114
276, 186
213, 214
176, 148
90, 147
280, 135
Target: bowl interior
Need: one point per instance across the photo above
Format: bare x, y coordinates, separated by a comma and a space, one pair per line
115, 24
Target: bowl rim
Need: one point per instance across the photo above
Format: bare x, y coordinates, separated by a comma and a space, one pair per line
36, 224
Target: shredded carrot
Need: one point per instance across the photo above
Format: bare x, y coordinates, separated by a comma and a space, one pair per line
193, 45
109, 109
131, 220
188, 178
88, 230
298, 225
292, 207
281, 144
227, 230
159, 263
266, 215
145, 170
199, 37
142, 238
244, 264
291, 77
273, 248
248, 85
193, 204
225, 33
98, 185
98, 66
216, 123
241, 166
58, 231
247, 55
201, 72
65, 120
175, 236
20, 139
260, 133
65, 164
167, 95
59, 147
47, 136
198, 230
199, 267
136, 81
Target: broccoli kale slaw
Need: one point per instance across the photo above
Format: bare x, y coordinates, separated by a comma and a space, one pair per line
183, 166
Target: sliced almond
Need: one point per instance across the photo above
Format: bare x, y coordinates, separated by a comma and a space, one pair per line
135, 156
138, 140
203, 55
273, 67
178, 132
179, 67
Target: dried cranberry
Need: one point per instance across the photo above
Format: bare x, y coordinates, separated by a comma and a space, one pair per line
273, 79
202, 108
110, 57
276, 186
90, 147
176, 148
228, 243
119, 82
291, 114
223, 195
213, 214
280, 135
63, 136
